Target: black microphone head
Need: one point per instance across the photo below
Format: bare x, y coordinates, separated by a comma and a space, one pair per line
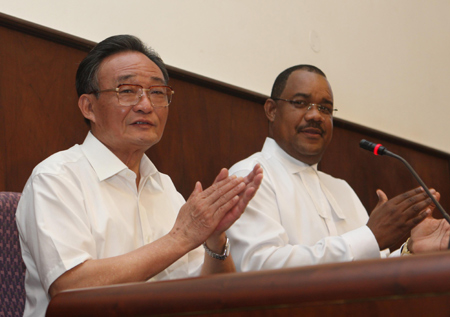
377, 149
367, 145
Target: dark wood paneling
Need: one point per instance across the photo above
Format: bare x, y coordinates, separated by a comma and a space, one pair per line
38, 102
406, 286
211, 124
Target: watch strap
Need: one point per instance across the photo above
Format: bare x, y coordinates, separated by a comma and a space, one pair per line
223, 256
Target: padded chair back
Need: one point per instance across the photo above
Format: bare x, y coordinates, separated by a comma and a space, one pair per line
12, 268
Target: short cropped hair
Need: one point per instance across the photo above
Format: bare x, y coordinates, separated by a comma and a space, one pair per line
86, 78
281, 80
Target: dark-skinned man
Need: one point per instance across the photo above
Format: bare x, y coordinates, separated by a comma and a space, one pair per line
301, 216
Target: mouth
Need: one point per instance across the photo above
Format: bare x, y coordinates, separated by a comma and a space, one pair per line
143, 123
310, 131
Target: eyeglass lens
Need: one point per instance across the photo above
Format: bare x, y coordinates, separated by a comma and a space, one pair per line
129, 95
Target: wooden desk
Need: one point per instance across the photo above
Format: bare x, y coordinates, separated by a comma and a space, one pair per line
412, 286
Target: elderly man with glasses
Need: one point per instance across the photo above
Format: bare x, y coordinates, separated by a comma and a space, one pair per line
301, 216
100, 213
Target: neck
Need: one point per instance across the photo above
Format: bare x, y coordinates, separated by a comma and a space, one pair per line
130, 156
307, 159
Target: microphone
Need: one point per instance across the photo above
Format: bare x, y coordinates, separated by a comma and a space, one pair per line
378, 149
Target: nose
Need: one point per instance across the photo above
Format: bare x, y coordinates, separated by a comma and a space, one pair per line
313, 113
144, 105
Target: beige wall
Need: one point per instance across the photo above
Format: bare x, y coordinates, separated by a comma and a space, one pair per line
387, 61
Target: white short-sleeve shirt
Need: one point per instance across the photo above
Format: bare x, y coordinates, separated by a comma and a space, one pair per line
282, 226
82, 204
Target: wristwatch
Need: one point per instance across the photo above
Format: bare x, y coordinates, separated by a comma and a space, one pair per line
405, 250
223, 256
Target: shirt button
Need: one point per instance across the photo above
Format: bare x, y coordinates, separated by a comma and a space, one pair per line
148, 239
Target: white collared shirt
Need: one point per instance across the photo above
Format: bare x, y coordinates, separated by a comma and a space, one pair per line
289, 223
82, 204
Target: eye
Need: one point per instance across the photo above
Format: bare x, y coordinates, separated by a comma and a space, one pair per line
128, 89
299, 104
158, 91
325, 109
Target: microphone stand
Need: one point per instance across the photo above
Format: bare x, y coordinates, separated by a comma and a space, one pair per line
435, 202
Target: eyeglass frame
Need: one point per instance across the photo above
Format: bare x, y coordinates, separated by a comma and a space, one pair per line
144, 91
307, 106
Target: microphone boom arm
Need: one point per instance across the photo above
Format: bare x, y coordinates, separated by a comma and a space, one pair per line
416, 176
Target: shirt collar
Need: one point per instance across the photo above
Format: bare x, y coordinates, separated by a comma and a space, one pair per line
148, 169
106, 164
293, 165
272, 149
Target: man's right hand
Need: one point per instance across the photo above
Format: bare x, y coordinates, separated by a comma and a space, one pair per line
205, 209
393, 219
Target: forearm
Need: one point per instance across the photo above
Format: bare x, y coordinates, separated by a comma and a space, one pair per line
214, 266
260, 242
195, 222
136, 266
272, 255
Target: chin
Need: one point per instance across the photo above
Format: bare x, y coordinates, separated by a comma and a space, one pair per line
144, 142
310, 150
147, 142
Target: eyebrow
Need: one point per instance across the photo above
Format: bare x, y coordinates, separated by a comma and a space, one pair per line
299, 94
306, 96
123, 78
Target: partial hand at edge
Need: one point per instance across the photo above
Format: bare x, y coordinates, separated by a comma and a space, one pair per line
430, 235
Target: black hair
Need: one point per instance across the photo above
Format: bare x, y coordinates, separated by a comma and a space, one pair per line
281, 80
86, 78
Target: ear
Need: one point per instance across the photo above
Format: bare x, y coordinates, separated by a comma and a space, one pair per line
85, 103
270, 107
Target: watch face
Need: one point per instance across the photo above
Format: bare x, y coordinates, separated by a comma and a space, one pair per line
227, 248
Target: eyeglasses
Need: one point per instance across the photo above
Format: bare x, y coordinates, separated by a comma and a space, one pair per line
326, 110
129, 95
